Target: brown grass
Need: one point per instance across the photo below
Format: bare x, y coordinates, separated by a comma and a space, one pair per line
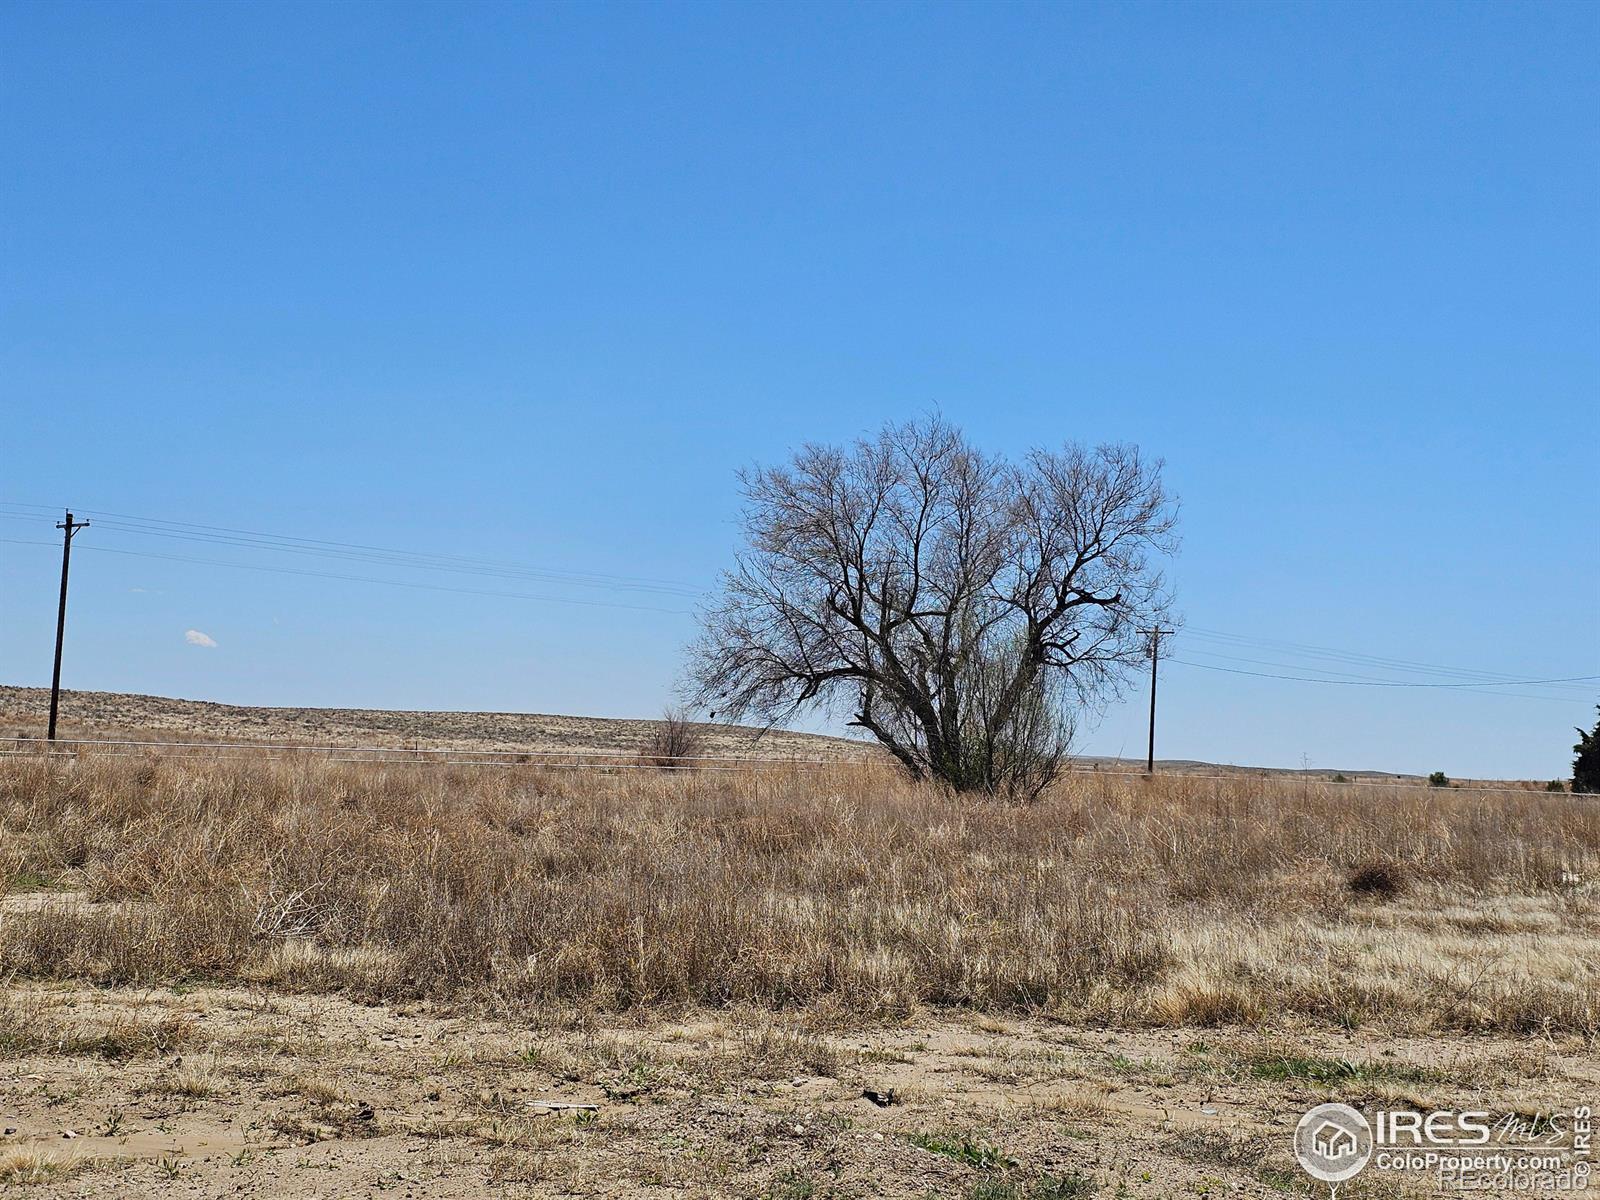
19, 1167
26, 1028
843, 889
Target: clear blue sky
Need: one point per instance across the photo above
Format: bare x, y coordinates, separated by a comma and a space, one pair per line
531, 282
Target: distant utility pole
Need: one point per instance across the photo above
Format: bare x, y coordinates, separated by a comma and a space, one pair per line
1155, 653
68, 528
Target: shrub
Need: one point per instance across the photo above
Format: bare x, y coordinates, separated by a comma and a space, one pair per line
675, 743
1381, 880
1438, 779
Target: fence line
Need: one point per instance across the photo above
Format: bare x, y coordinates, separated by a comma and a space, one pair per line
622, 760
598, 767
418, 751
426, 756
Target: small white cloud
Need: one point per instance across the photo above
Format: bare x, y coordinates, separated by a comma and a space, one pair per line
195, 638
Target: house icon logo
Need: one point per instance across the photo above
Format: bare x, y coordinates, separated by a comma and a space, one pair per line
1333, 1142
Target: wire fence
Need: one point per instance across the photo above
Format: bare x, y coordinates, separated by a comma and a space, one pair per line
607, 761
592, 760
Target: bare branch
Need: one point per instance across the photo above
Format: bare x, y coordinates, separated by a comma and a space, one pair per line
956, 606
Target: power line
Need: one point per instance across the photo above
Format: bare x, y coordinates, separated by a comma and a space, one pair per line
354, 551
1399, 683
1350, 656
402, 559
491, 568
1353, 677
406, 561
428, 587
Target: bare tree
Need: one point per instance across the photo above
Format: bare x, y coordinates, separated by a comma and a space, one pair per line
956, 606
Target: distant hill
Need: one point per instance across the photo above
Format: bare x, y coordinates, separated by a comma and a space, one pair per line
122, 715
24, 712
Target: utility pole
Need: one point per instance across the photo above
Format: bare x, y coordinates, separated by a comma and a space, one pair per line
68, 528
1155, 653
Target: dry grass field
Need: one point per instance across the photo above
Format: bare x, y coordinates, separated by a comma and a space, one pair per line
125, 715
280, 976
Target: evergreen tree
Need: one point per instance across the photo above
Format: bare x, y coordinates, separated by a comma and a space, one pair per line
1586, 766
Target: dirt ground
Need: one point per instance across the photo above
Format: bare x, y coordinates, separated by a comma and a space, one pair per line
221, 1092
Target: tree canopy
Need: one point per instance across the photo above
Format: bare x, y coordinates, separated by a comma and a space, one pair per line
1586, 766
959, 607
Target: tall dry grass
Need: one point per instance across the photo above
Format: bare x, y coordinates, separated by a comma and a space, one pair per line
1115, 899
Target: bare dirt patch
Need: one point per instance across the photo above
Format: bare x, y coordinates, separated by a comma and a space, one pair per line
318, 1096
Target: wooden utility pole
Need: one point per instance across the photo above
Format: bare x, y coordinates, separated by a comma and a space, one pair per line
68, 528
1155, 653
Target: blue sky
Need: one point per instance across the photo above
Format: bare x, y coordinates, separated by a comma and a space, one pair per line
529, 283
